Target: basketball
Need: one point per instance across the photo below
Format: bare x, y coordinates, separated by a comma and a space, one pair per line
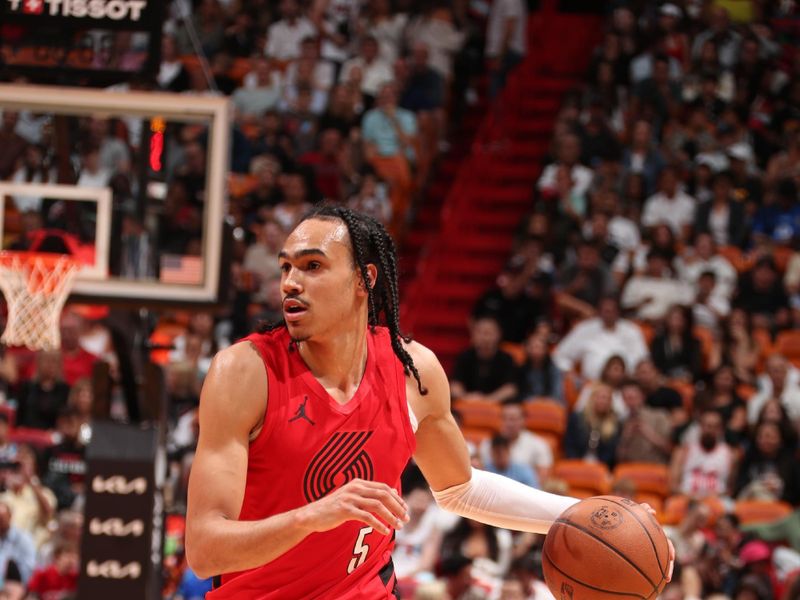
605, 547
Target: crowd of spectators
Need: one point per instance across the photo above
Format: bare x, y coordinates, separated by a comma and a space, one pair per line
346, 101
652, 291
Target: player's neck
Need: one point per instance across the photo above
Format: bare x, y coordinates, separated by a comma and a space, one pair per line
339, 361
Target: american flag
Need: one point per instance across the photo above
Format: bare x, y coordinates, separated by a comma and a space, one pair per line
179, 268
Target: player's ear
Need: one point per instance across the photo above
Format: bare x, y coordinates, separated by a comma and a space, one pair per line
372, 277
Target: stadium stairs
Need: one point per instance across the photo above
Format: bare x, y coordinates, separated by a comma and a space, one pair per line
460, 245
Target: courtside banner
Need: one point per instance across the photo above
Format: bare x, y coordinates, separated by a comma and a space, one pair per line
123, 523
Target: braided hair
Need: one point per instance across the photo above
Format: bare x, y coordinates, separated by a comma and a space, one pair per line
371, 244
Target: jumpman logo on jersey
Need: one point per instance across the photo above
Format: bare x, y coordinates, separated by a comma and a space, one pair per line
301, 412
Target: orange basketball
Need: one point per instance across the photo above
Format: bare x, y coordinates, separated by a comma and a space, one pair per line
606, 547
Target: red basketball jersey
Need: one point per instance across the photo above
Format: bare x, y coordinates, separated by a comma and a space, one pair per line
309, 446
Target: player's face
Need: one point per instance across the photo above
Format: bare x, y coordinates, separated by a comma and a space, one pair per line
320, 288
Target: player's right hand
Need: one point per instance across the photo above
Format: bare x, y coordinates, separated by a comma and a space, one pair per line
373, 503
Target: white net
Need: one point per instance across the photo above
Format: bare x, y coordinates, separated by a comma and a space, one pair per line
35, 288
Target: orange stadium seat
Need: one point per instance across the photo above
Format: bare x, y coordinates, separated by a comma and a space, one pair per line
781, 255
544, 415
517, 352
686, 390
706, 338
788, 344
675, 508
479, 414
476, 435
736, 257
650, 478
648, 331
584, 478
571, 389
759, 511
746, 391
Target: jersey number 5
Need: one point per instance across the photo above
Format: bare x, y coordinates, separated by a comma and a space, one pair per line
360, 550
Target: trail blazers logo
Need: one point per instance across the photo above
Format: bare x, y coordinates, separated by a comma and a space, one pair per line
340, 460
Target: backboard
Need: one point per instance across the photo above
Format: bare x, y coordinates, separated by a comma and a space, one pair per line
137, 178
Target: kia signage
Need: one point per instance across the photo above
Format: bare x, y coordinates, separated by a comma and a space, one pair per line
81, 41
122, 537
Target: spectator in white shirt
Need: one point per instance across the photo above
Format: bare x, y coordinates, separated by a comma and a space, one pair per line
569, 151
527, 448
781, 381
261, 258
505, 40
374, 72
670, 205
92, 172
264, 94
435, 29
650, 295
323, 74
710, 307
593, 341
702, 258
284, 37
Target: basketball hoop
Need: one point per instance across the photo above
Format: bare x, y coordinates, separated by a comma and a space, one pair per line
35, 286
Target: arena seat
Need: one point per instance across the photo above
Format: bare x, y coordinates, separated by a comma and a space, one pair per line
650, 478
760, 511
686, 390
676, 506
517, 352
584, 478
479, 414
571, 389
788, 344
706, 338
545, 415
38, 438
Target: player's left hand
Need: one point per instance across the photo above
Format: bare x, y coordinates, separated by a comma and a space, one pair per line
652, 511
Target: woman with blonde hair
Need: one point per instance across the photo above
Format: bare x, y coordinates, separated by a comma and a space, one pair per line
593, 433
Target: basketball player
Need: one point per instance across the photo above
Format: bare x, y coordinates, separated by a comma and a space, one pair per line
306, 427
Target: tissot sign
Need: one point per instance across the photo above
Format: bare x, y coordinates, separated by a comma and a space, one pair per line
75, 42
132, 11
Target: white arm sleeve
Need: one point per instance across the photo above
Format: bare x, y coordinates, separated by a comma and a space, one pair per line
503, 502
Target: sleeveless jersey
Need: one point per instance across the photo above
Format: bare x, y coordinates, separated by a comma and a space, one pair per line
309, 446
706, 473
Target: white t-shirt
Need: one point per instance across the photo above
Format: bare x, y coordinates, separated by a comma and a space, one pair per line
677, 212
790, 398
718, 224
663, 294
623, 233
323, 75
283, 38
409, 544
528, 449
501, 11
373, 75
581, 178
690, 271
591, 344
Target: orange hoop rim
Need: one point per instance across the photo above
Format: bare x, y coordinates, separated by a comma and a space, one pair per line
48, 259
